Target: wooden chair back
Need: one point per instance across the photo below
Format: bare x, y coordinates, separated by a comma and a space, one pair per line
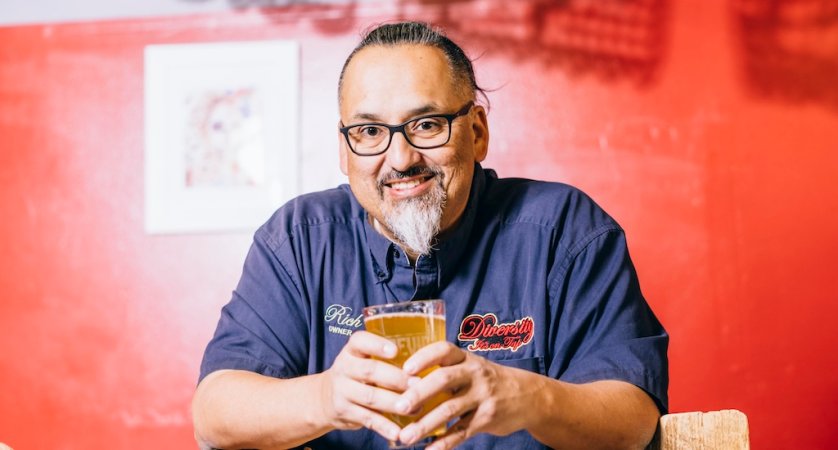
715, 430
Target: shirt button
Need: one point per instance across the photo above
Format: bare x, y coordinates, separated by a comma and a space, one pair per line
396, 254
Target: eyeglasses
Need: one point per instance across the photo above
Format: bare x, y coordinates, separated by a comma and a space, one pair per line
425, 132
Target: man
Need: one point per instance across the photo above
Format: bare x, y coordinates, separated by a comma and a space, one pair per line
551, 342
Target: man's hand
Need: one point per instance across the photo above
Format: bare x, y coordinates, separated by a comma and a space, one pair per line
357, 388
487, 397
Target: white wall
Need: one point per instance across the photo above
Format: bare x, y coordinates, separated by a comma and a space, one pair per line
39, 11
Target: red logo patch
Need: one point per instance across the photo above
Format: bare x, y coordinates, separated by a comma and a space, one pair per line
486, 334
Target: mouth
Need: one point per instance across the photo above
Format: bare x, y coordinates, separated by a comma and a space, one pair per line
407, 187
407, 183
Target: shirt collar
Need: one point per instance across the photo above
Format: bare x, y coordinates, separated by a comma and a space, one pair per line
448, 251
380, 248
452, 247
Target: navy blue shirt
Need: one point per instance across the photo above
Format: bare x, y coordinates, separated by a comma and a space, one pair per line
535, 276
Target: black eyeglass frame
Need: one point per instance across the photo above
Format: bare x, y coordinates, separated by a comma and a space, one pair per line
393, 129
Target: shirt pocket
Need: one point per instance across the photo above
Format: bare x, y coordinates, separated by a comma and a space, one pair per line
535, 365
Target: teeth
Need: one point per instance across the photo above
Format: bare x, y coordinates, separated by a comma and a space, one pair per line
405, 184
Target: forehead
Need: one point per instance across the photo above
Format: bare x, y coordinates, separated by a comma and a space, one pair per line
387, 81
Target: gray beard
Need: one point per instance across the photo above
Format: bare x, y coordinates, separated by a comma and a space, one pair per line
416, 222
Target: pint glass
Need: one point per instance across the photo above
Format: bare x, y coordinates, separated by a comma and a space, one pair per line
411, 326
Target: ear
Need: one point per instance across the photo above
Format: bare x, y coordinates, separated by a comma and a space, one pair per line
480, 129
343, 150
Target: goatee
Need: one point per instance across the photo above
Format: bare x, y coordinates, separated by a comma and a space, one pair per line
415, 222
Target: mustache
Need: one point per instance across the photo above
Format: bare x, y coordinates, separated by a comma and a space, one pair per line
411, 172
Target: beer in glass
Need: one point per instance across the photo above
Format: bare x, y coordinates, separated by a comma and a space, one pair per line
411, 326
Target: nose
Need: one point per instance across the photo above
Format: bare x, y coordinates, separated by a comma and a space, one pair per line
401, 155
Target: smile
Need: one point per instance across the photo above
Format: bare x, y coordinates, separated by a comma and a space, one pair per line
405, 184
409, 187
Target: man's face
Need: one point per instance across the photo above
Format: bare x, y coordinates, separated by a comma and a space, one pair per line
392, 85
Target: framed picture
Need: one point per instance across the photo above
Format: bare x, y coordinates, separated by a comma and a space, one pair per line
220, 134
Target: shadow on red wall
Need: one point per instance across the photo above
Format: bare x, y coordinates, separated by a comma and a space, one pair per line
789, 49
611, 39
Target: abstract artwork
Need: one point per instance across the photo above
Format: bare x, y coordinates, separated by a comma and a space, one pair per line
224, 145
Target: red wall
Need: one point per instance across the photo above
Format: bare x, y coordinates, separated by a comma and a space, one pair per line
708, 129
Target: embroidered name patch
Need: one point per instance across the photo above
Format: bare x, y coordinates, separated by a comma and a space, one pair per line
486, 334
341, 320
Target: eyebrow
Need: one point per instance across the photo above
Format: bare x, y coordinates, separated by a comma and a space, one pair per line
425, 109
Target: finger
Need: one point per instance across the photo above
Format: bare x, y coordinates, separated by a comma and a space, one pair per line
444, 381
456, 434
365, 344
435, 354
375, 422
372, 397
442, 414
375, 372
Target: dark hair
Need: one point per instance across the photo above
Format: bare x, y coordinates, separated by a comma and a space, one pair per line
420, 33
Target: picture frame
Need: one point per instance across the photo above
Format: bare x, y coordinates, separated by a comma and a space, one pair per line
221, 134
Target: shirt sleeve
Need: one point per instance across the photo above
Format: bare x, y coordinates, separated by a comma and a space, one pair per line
263, 328
606, 328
